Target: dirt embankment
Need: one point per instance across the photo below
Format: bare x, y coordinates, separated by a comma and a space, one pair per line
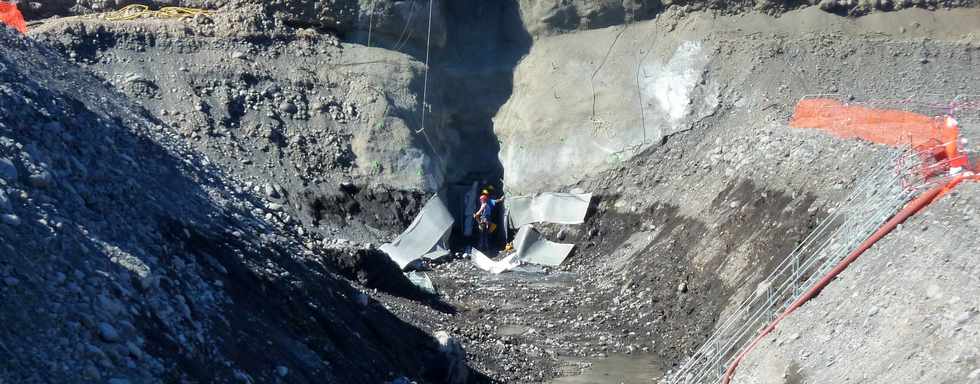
590, 99
127, 255
693, 222
677, 124
321, 129
905, 312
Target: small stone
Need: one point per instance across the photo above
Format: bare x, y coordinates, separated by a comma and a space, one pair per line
7, 170
242, 377
11, 281
271, 191
348, 187
282, 371
975, 374
11, 220
116, 380
361, 298
964, 317
40, 180
5, 201
134, 350
873, 311
288, 107
238, 55
108, 333
91, 372
682, 288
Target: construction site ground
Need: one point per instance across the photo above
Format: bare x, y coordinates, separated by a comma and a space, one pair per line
201, 200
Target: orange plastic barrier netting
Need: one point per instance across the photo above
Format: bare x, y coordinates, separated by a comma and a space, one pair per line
937, 137
909, 210
10, 15
883, 126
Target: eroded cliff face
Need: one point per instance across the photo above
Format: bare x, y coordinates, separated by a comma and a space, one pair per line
552, 17
587, 100
127, 255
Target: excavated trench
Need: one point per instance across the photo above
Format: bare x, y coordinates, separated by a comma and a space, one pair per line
693, 222
678, 232
650, 277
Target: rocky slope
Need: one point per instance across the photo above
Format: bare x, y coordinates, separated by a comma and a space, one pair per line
906, 311
590, 99
301, 140
294, 117
129, 257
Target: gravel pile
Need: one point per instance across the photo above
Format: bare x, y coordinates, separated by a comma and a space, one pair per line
127, 256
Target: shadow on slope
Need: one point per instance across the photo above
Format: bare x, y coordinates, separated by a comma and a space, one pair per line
132, 258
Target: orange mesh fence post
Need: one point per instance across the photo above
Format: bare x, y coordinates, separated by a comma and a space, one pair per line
11, 16
951, 137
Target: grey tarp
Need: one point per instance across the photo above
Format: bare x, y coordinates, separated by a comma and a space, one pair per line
425, 237
549, 207
531, 247
485, 263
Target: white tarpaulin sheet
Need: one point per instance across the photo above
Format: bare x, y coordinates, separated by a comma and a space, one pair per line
485, 263
550, 207
532, 248
422, 281
425, 237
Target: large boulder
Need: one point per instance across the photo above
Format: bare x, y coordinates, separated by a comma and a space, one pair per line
589, 100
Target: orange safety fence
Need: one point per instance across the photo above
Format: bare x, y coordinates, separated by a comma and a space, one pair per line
11, 16
938, 137
883, 126
934, 139
910, 210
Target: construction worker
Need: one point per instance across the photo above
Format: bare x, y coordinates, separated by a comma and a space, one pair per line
484, 216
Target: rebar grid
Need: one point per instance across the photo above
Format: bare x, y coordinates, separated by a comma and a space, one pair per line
878, 196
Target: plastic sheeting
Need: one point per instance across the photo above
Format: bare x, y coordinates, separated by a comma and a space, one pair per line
422, 281
550, 207
425, 237
533, 248
485, 263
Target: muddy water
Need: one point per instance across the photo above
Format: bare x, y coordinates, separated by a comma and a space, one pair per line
615, 369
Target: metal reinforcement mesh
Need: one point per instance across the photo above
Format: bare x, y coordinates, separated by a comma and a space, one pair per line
878, 196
